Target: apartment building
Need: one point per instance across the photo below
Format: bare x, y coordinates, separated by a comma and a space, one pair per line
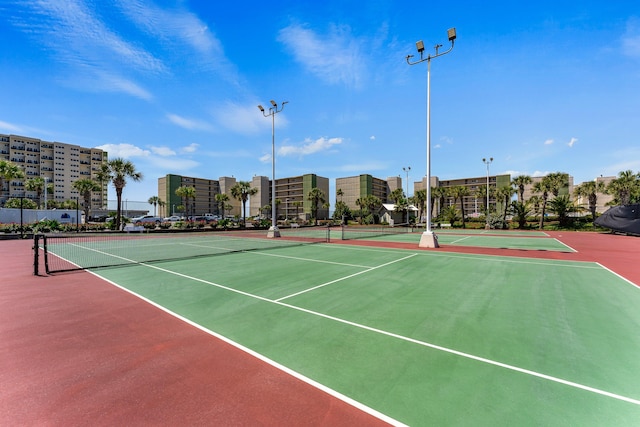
360, 186
57, 163
205, 198
291, 196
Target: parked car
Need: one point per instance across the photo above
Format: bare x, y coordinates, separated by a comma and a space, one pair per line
173, 218
146, 218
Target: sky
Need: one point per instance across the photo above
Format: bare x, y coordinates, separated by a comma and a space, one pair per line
173, 86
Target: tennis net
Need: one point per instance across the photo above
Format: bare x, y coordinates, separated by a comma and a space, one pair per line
68, 252
369, 232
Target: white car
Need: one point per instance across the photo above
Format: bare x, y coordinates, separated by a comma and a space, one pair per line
173, 218
146, 218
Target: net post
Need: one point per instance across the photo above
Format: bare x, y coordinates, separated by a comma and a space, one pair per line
36, 259
46, 253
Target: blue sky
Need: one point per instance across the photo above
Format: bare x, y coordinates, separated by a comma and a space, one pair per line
174, 86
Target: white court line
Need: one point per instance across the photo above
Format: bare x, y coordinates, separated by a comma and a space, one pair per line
565, 245
400, 337
460, 240
344, 278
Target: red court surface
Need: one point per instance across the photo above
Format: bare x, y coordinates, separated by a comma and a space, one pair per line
76, 350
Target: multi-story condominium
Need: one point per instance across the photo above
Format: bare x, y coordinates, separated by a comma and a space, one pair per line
291, 196
205, 198
601, 198
474, 205
57, 163
360, 186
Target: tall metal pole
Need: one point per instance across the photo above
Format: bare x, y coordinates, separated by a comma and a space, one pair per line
487, 162
273, 110
429, 239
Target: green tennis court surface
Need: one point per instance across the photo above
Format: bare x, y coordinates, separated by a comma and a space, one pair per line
426, 338
491, 239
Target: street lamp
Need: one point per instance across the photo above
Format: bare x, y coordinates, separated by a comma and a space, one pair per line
429, 239
487, 162
273, 110
407, 169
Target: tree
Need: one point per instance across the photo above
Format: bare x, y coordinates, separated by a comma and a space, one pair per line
342, 211
625, 189
85, 187
557, 180
339, 193
561, 206
9, 171
519, 183
317, 198
18, 203
439, 193
544, 188
420, 199
37, 184
520, 212
400, 201
117, 171
241, 191
186, 192
590, 190
222, 199
155, 201
505, 193
298, 204
459, 192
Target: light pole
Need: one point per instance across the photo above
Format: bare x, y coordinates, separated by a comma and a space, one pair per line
429, 239
487, 162
407, 169
273, 110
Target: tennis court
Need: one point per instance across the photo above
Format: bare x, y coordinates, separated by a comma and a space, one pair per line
413, 337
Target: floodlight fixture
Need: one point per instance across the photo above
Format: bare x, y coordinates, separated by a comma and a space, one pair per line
420, 46
451, 33
261, 108
273, 103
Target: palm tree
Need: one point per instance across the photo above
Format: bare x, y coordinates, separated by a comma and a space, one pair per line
439, 193
85, 187
222, 199
241, 191
459, 192
118, 171
186, 192
317, 198
9, 171
339, 193
400, 201
298, 204
624, 187
558, 180
543, 187
505, 193
420, 199
36, 184
519, 183
520, 211
154, 200
590, 190
561, 206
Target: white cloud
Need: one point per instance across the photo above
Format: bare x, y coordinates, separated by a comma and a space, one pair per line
189, 148
548, 142
537, 174
572, 142
163, 151
265, 159
334, 58
372, 137
8, 127
310, 147
188, 124
246, 119
124, 150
